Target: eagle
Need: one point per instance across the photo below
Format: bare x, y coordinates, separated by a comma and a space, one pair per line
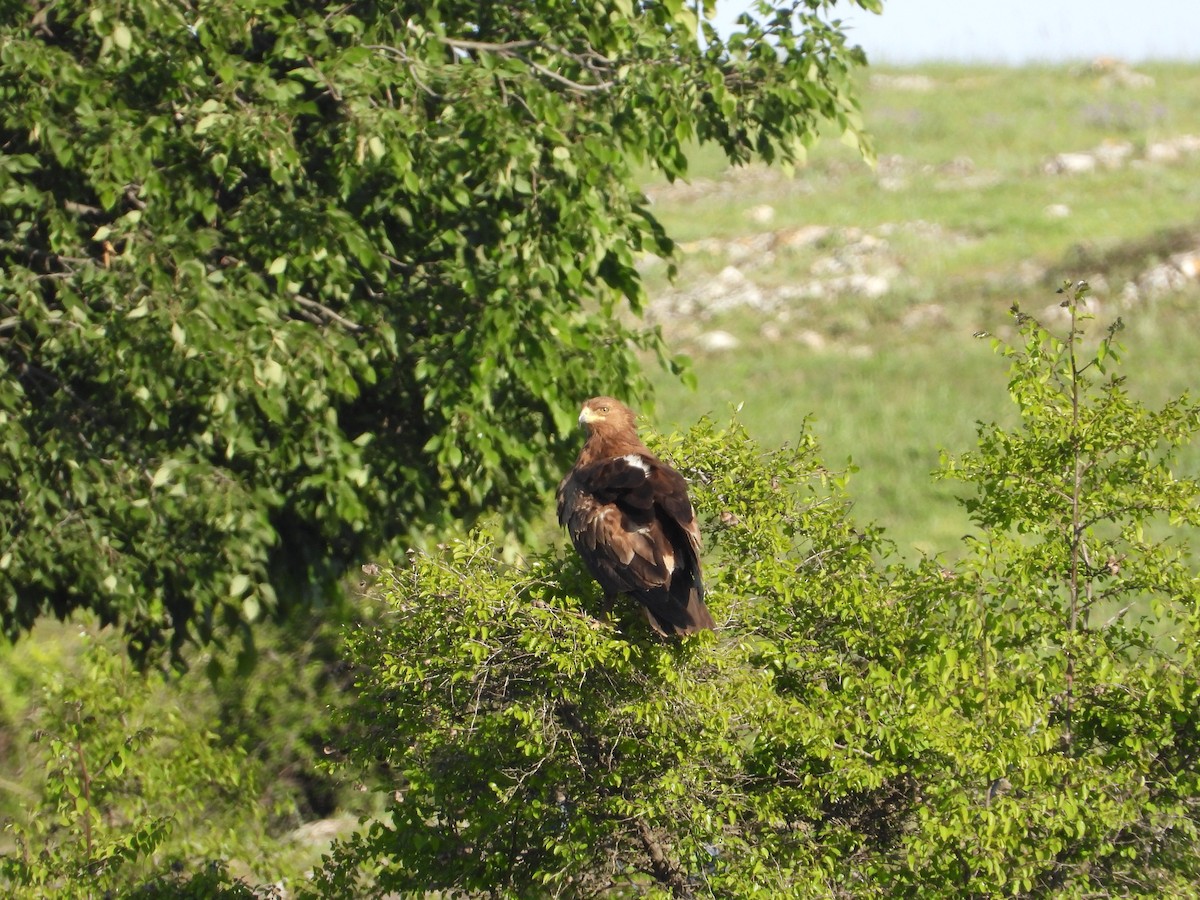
630, 519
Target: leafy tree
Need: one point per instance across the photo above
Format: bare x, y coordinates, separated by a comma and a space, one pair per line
1077, 635
281, 283
1025, 723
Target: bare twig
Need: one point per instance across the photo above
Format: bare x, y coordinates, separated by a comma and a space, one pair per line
505, 48
401, 55
329, 85
82, 209
510, 49
562, 79
323, 310
132, 198
390, 50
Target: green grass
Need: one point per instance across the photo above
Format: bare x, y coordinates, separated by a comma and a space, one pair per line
888, 413
886, 386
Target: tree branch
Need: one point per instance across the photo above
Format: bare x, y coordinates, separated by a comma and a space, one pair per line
82, 209
510, 50
321, 309
562, 79
662, 867
505, 49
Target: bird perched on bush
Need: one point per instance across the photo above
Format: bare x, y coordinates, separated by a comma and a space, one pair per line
630, 518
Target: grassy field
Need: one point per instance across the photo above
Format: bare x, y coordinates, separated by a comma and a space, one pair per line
853, 295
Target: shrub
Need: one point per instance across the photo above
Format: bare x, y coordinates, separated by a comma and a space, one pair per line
138, 794
535, 741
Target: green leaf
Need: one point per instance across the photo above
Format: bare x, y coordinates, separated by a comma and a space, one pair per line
205, 122
251, 608
163, 473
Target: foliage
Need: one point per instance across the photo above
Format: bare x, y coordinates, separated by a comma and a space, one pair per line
1022, 724
1077, 635
213, 882
134, 795
283, 283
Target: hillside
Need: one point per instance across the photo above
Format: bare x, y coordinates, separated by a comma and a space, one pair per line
856, 295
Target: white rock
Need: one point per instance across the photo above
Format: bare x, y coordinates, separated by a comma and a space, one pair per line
1070, 164
1113, 154
705, 246
1173, 149
1188, 263
803, 236
751, 246
813, 340
870, 286
1163, 152
827, 265
718, 341
920, 84
761, 214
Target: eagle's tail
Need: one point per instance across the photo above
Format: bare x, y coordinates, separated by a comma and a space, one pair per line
670, 618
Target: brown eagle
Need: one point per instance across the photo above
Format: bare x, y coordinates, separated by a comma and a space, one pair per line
630, 518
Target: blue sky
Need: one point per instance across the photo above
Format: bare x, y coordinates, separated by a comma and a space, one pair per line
1018, 31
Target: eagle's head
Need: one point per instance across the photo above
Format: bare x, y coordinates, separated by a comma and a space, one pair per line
605, 415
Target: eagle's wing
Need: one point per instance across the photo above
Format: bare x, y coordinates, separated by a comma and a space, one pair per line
608, 509
671, 495
632, 522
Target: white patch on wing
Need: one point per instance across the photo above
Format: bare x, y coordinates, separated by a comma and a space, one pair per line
637, 462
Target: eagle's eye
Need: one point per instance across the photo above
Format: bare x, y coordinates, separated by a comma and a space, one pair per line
604, 409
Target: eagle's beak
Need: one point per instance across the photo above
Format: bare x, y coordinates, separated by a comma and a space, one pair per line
587, 416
